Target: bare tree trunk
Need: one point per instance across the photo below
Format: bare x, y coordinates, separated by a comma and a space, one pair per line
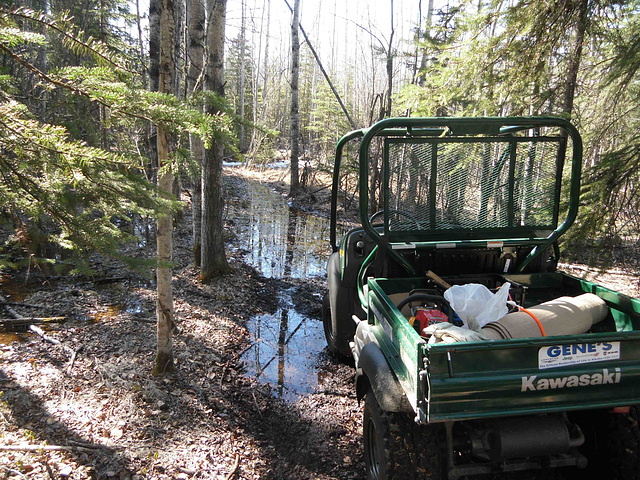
42, 60
243, 32
422, 79
390, 65
575, 58
164, 307
154, 44
324, 72
295, 113
214, 260
196, 27
179, 13
180, 74
141, 43
265, 84
154, 72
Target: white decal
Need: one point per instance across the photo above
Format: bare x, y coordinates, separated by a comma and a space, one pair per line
383, 322
532, 383
554, 356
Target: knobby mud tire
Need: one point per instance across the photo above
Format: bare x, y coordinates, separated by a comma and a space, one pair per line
613, 444
395, 447
337, 336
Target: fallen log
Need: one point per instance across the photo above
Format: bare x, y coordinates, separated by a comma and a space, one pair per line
38, 331
30, 320
19, 304
47, 448
9, 310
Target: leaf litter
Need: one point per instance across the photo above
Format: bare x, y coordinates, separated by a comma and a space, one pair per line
104, 416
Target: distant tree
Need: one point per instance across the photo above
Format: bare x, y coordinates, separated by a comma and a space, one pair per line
243, 76
239, 92
610, 111
294, 133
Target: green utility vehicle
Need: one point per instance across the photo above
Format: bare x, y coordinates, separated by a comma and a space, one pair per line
481, 201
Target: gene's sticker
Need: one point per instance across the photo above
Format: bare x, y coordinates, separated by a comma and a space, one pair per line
555, 356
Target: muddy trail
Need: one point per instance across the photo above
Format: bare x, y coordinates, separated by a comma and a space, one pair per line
255, 394
287, 245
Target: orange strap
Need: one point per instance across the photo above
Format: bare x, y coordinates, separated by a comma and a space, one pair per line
522, 309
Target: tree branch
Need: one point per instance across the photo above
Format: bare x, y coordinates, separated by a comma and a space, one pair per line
326, 76
24, 13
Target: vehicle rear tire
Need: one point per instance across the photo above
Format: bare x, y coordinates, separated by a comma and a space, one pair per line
612, 445
395, 447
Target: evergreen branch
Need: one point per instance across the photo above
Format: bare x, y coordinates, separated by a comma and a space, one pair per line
32, 133
46, 206
92, 45
51, 80
91, 154
70, 87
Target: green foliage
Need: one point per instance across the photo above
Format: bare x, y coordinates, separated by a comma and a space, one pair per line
327, 124
81, 190
72, 182
514, 58
12, 37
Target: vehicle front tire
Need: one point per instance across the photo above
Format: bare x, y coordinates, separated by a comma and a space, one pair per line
339, 328
395, 447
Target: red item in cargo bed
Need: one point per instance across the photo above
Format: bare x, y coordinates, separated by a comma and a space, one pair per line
422, 317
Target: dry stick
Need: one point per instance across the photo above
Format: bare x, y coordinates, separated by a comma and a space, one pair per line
43, 448
73, 360
224, 372
14, 472
30, 320
53, 341
10, 310
247, 348
41, 333
235, 468
21, 304
49, 471
320, 189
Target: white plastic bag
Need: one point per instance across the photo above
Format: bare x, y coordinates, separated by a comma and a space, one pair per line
476, 305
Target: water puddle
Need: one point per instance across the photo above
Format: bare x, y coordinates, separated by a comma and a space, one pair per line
13, 289
284, 243
10, 337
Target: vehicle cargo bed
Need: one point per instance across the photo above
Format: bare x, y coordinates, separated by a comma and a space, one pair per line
509, 377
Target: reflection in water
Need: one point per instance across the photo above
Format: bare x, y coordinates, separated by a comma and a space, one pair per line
286, 350
284, 326
284, 243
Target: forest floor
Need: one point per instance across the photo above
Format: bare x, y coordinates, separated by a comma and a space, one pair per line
101, 414
90, 408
